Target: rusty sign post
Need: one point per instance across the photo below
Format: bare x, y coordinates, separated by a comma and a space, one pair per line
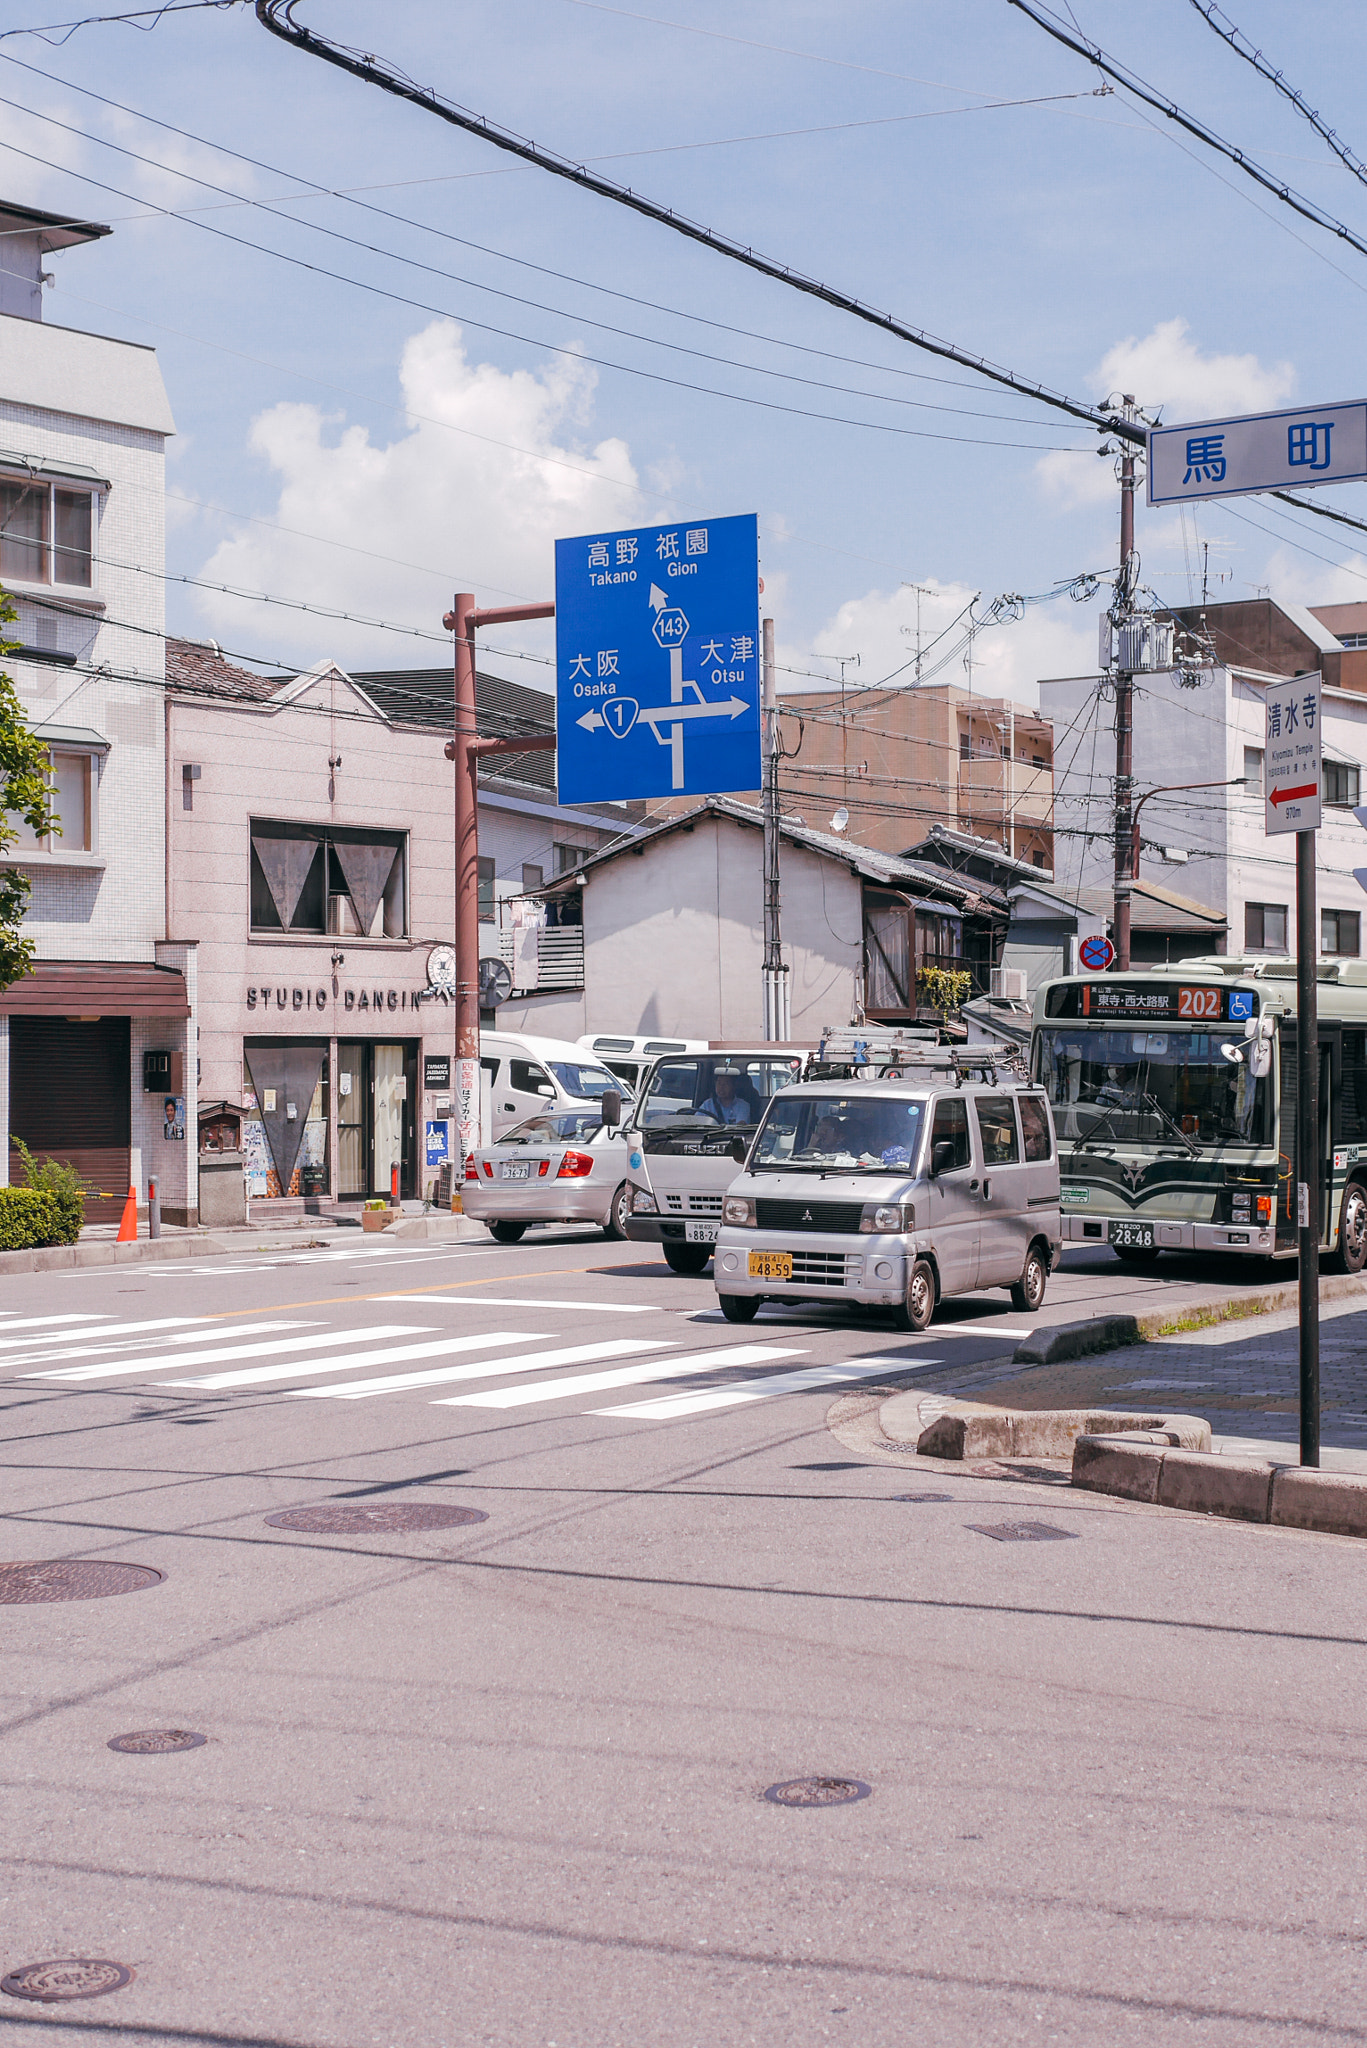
465, 748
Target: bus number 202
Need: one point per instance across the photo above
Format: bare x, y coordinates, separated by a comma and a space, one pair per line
1198, 1002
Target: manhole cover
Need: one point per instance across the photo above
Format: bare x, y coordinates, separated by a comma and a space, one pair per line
921, 1497
1021, 1532
374, 1519
71, 1977
157, 1741
818, 1792
85, 1579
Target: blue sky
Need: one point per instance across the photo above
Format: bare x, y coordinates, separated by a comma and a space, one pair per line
341, 447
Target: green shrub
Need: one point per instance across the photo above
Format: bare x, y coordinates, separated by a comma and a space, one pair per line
944, 988
67, 1189
28, 1217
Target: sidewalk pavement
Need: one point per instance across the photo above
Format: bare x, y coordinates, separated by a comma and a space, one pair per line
1243, 1377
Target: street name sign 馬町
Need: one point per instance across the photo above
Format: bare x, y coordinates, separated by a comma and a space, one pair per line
1262, 451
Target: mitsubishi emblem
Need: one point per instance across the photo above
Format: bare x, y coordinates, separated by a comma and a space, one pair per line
806, 1215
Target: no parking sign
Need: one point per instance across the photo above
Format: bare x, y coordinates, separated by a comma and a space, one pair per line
1096, 953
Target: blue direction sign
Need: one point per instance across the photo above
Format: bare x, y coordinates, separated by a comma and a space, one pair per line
658, 661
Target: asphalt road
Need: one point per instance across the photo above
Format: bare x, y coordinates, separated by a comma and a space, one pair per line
503, 1783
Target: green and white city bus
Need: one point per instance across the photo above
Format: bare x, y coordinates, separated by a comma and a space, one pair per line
1174, 1099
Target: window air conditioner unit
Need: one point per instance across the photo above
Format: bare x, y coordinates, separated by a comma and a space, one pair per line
1010, 983
342, 919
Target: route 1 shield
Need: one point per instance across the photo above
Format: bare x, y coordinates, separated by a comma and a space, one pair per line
658, 661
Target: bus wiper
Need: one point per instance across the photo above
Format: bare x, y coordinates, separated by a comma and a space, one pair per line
1184, 1138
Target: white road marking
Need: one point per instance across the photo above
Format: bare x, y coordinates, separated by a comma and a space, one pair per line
263, 1375
34, 1322
669, 1406
532, 1361
980, 1330
621, 1376
129, 1365
109, 1330
607, 1308
160, 1344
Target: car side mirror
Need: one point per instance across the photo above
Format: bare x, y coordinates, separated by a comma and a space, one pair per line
612, 1107
942, 1156
738, 1150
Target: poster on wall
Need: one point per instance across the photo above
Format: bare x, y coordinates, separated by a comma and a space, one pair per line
257, 1166
436, 1144
173, 1117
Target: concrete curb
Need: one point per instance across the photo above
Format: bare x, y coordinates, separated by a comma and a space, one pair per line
1241, 1490
64, 1258
439, 1227
968, 1429
1057, 1342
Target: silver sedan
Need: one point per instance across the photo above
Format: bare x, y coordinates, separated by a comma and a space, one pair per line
564, 1167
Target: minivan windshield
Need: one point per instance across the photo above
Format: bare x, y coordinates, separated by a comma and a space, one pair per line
856, 1133
708, 1092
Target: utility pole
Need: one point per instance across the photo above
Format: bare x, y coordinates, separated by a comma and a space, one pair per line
1124, 709
777, 999
465, 748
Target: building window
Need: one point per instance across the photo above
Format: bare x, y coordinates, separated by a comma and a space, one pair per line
46, 533
328, 879
567, 858
1341, 932
1342, 783
1253, 771
1351, 640
73, 786
1264, 927
532, 876
487, 914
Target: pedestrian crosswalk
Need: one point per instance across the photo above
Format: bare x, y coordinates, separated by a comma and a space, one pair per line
504, 1370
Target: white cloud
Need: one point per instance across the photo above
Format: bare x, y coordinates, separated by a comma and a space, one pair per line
1291, 576
1058, 638
470, 495
1166, 369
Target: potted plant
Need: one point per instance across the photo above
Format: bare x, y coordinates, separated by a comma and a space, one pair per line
376, 1215
943, 988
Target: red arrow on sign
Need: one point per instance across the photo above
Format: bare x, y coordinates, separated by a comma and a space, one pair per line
1289, 796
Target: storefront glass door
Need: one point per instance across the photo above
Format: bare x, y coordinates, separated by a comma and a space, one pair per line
376, 1091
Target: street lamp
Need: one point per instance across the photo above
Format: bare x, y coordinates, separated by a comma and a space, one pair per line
1172, 789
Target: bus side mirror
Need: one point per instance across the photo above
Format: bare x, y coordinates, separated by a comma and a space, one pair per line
942, 1156
612, 1107
738, 1150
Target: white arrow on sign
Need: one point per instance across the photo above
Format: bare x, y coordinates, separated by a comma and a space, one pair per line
669, 714
658, 600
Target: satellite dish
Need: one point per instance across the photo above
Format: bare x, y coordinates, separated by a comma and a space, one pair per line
495, 982
840, 820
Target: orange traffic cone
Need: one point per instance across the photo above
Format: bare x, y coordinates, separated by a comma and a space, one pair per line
128, 1227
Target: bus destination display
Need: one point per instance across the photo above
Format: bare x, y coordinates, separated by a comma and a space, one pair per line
1198, 1003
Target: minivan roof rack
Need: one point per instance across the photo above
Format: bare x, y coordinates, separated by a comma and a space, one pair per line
895, 1049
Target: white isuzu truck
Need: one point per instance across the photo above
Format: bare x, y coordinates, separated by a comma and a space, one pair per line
688, 1131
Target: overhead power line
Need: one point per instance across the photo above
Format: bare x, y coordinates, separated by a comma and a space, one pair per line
277, 17
1242, 47
151, 15
1132, 83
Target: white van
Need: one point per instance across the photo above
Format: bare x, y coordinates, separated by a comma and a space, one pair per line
526, 1076
629, 1056
894, 1193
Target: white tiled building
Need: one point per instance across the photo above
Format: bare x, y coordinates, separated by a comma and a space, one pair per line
83, 426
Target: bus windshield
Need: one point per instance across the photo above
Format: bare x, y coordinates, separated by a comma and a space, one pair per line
712, 1092
1170, 1087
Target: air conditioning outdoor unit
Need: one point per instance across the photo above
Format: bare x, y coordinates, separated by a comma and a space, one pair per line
1009, 983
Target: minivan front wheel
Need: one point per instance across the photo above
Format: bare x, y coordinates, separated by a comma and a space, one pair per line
1028, 1291
919, 1306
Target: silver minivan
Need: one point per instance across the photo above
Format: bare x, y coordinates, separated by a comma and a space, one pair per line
894, 1194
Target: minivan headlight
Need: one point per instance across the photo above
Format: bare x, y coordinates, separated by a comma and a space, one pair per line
643, 1203
887, 1216
739, 1210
